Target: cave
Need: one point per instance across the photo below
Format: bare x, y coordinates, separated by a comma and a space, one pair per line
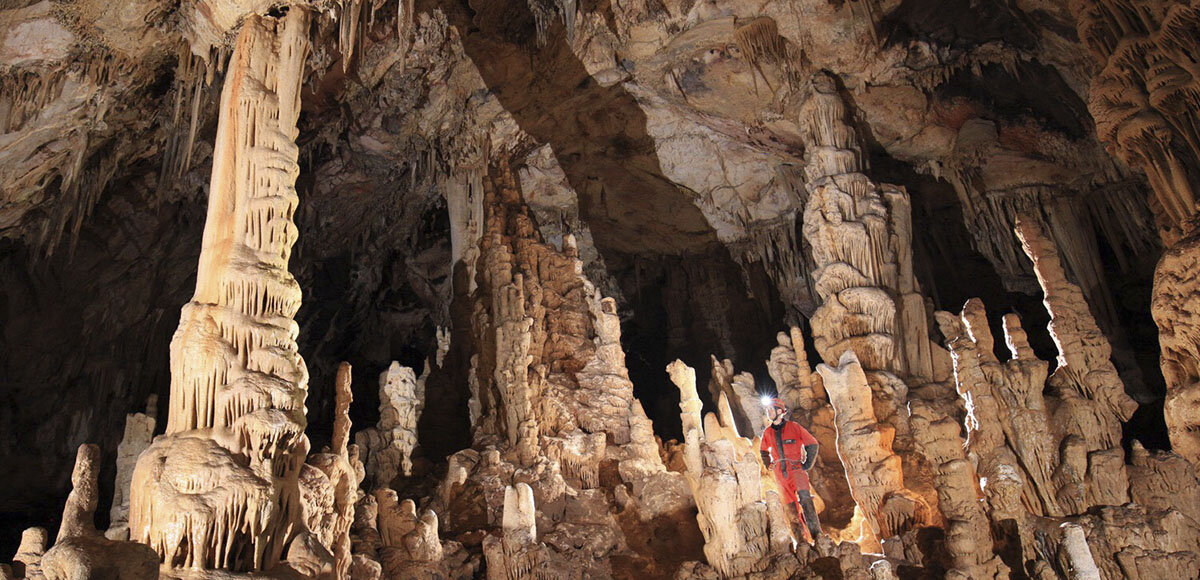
383, 289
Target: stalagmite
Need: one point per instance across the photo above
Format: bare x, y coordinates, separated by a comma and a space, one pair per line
1083, 566
342, 479
741, 533
389, 445
27, 563
551, 401
139, 430
220, 491
860, 235
409, 544
865, 446
968, 534
516, 553
80, 550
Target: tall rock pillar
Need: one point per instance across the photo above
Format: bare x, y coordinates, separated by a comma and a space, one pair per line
219, 491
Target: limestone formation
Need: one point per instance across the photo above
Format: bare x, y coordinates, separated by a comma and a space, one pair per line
1140, 98
389, 445
1175, 310
338, 490
139, 430
870, 306
548, 200
742, 534
81, 551
516, 553
865, 446
220, 491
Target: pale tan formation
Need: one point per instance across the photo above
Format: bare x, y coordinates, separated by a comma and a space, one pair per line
1176, 309
738, 390
1143, 101
221, 491
409, 546
1051, 466
516, 553
551, 401
139, 431
865, 446
81, 551
389, 445
335, 476
861, 238
27, 563
938, 434
742, 532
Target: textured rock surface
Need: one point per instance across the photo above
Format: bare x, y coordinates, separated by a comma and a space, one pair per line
546, 203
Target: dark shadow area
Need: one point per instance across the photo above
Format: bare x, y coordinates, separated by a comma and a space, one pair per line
1030, 90
692, 308
959, 24
85, 341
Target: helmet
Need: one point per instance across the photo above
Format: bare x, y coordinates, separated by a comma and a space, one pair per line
774, 403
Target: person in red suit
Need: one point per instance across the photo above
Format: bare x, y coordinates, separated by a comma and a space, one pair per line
789, 451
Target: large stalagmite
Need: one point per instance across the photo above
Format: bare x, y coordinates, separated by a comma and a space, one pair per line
220, 490
871, 309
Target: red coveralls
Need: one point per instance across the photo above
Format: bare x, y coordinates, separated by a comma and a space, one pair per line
786, 447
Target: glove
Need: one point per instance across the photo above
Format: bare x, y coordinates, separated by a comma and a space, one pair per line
766, 458
810, 456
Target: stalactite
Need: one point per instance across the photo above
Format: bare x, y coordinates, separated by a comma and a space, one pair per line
190, 88
1140, 98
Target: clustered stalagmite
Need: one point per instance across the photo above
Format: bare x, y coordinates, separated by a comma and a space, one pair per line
938, 456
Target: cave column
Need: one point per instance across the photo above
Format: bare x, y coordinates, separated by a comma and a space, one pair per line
860, 234
220, 490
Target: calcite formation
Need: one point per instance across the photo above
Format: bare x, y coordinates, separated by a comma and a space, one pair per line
139, 431
220, 491
1142, 98
872, 310
81, 551
1143, 102
389, 446
550, 200
742, 533
331, 513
